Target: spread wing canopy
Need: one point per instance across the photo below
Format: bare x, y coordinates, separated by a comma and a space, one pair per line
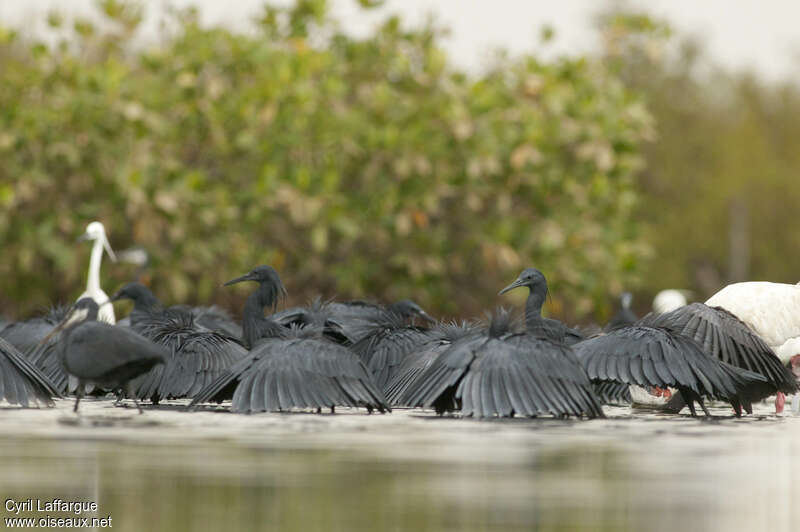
725, 337
20, 382
281, 374
650, 356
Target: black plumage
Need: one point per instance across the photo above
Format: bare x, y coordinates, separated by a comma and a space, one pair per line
195, 357
613, 393
649, 356
535, 324
347, 322
317, 313
46, 357
26, 335
415, 363
20, 382
101, 354
727, 338
498, 373
147, 307
290, 368
387, 343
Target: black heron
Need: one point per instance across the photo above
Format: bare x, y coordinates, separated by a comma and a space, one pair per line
535, 323
146, 306
197, 355
388, 339
497, 372
98, 353
658, 357
725, 337
289, 368
440, 338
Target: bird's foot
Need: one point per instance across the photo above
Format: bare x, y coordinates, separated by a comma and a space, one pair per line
780, 401
666, 393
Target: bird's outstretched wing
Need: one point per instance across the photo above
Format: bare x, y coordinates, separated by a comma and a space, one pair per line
411, 367
281, 374
547, 373
385, 349
216, 319
725, 337
437, 384
612, 393
416, 362
306, 373
650, 356
20, 382
197, 362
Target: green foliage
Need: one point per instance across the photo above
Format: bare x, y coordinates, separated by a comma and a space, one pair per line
355, 167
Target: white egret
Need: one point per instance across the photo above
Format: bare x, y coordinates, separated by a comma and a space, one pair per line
97, 233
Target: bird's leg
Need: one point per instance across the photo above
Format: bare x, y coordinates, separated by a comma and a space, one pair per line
333, 409
319, 410
119, 397
78, 394
689, 398
369, 409
737, 407
703, 406
780, 400
129, 390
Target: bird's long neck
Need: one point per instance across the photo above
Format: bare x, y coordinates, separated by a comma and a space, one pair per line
254, 325
144, 307
93, 282
146, 303
533, 306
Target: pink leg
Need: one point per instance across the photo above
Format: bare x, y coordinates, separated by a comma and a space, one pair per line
780, 400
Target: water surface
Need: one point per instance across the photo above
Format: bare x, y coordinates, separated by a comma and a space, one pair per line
174, 471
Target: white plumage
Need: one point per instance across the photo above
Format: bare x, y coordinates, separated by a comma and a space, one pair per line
772, 310
97, 233
668, 300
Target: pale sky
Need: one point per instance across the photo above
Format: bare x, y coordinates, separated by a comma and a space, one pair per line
752, 34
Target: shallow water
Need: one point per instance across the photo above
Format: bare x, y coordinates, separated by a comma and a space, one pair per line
172, 470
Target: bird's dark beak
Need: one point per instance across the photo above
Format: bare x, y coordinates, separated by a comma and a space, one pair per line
71, 317
245, 277
519, 282
115, 297
54, 332
427, 317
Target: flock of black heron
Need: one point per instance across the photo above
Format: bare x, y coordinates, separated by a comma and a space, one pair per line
376, 357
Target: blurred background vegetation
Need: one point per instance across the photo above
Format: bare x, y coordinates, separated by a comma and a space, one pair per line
372, 167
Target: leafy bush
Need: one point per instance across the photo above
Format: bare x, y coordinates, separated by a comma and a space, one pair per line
357, 167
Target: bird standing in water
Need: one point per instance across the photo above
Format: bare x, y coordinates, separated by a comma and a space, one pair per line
98, 353
287, 369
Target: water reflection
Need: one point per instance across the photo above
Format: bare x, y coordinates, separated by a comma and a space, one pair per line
673, 480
